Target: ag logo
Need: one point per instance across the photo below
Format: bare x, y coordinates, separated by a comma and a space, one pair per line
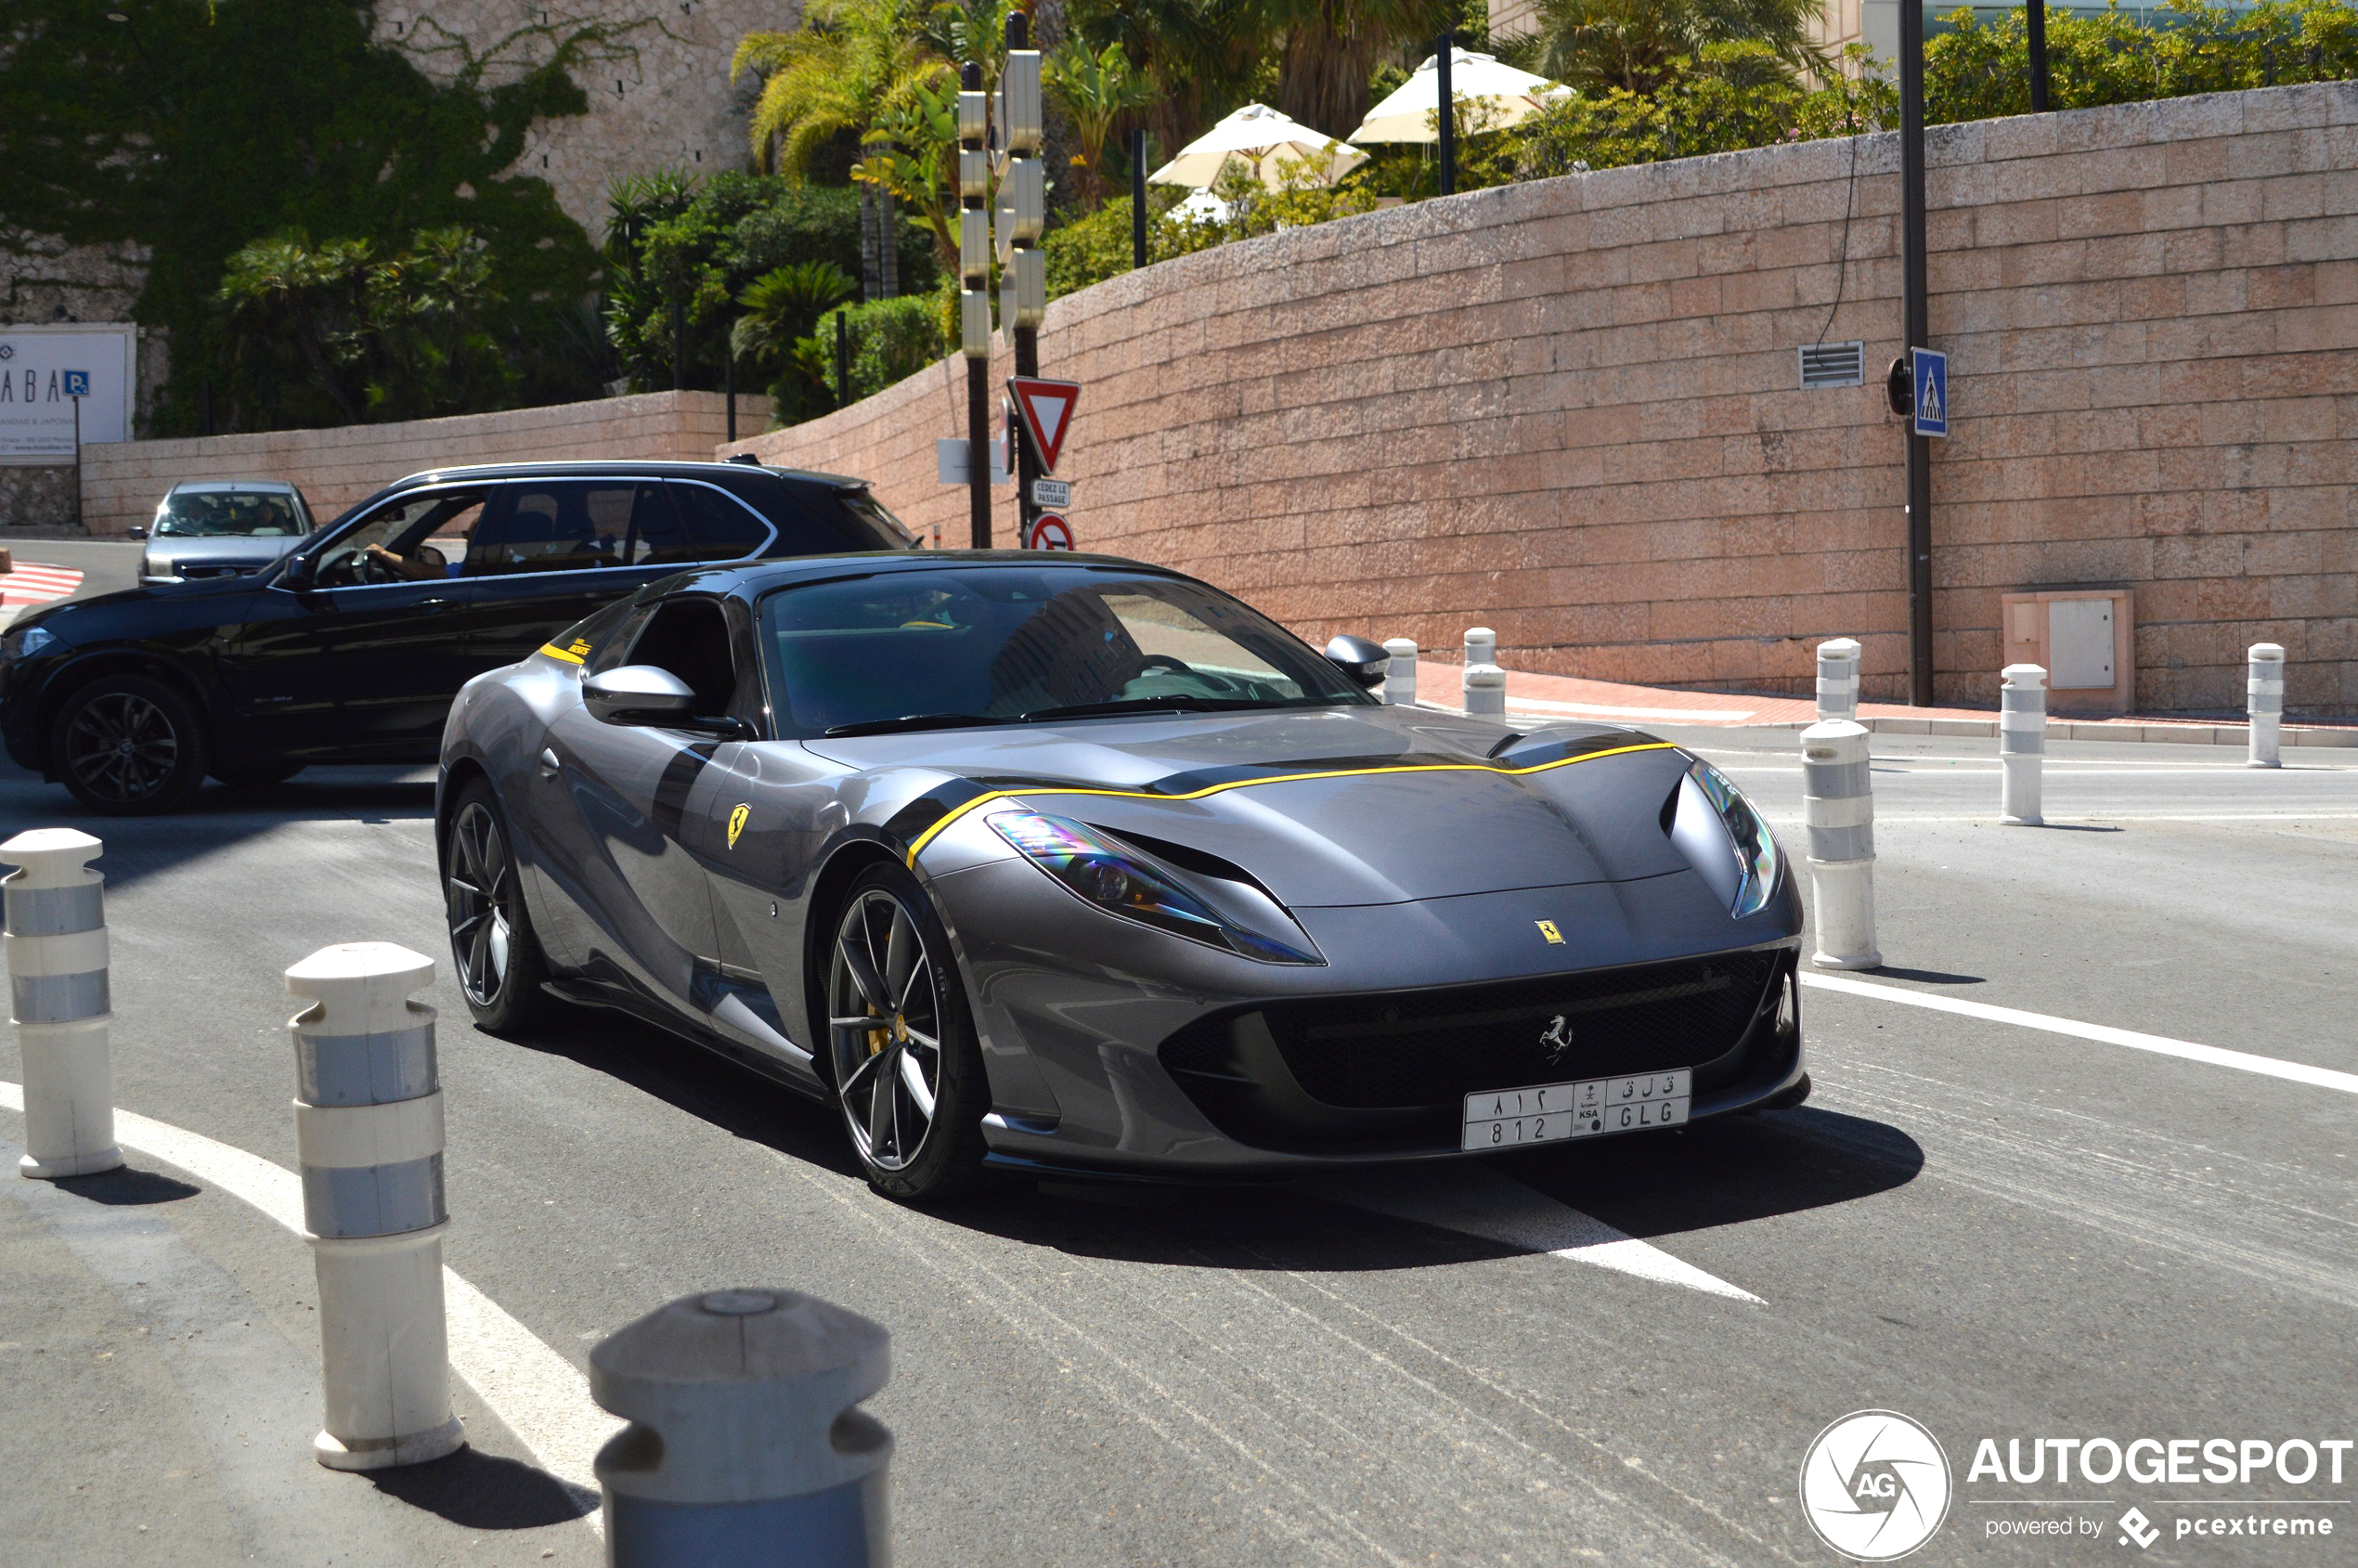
1874, 1485
737, 816
1556, 1039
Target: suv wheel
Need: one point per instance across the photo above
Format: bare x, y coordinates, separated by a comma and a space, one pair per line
129, 745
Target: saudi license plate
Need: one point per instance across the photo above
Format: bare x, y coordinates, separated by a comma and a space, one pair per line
1556, 1112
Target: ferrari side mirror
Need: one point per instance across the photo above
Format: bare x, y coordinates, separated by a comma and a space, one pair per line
136, 533
639, 693
1364, 661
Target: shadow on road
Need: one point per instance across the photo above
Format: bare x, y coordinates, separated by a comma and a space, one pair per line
479, 1491
218, 818
127, 1188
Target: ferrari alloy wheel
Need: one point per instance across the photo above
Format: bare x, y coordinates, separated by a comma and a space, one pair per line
129, 745
491, 941
906, 1070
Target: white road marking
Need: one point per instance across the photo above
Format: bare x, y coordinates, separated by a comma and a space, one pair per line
2102, 817
1473, 1199
537, 1394
1724, 715
2186, 1050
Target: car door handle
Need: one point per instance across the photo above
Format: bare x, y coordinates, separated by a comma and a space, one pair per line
549, 764
431, 604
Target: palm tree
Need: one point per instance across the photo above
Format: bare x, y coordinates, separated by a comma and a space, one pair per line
1201, 59
1634, 45
852, 62
1093, 90
1332, 47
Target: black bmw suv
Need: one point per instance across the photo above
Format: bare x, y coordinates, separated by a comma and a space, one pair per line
351, 648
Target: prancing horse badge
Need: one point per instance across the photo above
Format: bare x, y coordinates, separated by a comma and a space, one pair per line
737, 815
1548, 929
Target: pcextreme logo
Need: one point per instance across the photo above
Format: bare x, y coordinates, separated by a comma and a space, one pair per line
1874, 1485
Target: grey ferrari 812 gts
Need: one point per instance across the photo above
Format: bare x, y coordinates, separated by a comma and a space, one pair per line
1067, 863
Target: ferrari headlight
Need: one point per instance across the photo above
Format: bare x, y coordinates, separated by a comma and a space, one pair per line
26, 642
1756, 849
1122, 883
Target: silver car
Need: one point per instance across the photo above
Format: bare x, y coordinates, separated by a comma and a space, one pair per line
222, 529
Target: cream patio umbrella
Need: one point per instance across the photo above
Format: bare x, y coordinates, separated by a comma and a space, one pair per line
1263, 140
1509, 94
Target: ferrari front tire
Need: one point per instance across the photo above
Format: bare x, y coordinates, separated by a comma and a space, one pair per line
499, 960
908, 1073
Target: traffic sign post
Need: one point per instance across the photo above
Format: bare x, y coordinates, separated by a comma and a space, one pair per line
1931, 413
77, 388
974, 293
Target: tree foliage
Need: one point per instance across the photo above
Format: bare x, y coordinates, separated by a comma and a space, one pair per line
188, 131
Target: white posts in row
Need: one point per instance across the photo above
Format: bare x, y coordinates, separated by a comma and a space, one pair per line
57, 942
1838, 810
746, 1444
2264, 699
1837, 679
1486, 683
2022, 741
1400, 675
368, 1138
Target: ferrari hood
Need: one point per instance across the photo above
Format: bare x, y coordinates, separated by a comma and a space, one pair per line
1324, 808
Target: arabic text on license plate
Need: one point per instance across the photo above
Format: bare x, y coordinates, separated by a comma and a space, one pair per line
1555, 1112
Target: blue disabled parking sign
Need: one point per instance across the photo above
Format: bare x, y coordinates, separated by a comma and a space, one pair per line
1932, 392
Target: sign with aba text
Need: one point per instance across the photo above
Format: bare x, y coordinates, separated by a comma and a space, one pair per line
41, 367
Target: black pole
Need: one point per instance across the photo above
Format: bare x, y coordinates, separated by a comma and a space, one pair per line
843, 359
1138, 197
1914, 294
2038, 19
729, 379
1027, 351
1442, 50
978, 380
679, 346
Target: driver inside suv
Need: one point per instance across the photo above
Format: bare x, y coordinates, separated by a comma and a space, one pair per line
423, 541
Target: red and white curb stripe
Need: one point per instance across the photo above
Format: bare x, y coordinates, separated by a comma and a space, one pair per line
29, 584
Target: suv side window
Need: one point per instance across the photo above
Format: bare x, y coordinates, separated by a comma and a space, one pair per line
574, 525
711, 525
413, 537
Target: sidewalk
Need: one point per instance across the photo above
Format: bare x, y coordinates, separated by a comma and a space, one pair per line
1564, 696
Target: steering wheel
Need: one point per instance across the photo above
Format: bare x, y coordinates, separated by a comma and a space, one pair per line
1221, 685
1164, 661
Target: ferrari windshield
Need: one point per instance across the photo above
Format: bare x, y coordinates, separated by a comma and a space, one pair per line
1001, 644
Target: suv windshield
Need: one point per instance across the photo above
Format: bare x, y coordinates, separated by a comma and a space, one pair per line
1001, 644
224, 513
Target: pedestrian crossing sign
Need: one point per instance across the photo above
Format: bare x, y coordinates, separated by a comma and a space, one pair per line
1932, 392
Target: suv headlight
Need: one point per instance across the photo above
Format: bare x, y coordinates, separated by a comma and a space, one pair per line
1122, 882
25, 641
1755, 848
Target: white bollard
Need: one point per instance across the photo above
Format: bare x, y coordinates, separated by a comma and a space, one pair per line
1485, 692
368, 1137
746, 1444
1400, 675
1838, 806
2264, 693
2022, 741
56, 940
1837, 679
1482, 646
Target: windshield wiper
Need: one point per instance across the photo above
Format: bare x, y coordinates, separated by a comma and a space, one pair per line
912, 721
1183, 703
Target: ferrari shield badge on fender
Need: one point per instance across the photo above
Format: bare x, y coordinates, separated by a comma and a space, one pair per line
1547, 927
737, 815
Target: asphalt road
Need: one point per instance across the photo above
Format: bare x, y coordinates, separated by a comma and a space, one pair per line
2001, 1232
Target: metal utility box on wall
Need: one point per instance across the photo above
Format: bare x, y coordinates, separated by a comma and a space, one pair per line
2082, 638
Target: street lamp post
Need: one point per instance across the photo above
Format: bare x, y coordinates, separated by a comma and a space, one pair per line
974, 292
1443, 48
2036, 18
1138, 197
1914, 298
1023, 298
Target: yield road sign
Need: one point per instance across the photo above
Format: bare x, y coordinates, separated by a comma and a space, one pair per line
1048, 531
1046, 407
1932, 392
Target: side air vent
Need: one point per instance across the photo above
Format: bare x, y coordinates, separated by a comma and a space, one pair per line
1832, 363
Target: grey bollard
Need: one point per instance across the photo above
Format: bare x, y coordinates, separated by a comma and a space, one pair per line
1482, 646
2264, 693
746, 1445
1837, 679
2022, 741
368, 1139
57, 941
1400, 675
1485, 692
1838, 807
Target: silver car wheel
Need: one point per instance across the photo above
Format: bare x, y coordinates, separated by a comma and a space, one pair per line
884, 1020
480, 884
